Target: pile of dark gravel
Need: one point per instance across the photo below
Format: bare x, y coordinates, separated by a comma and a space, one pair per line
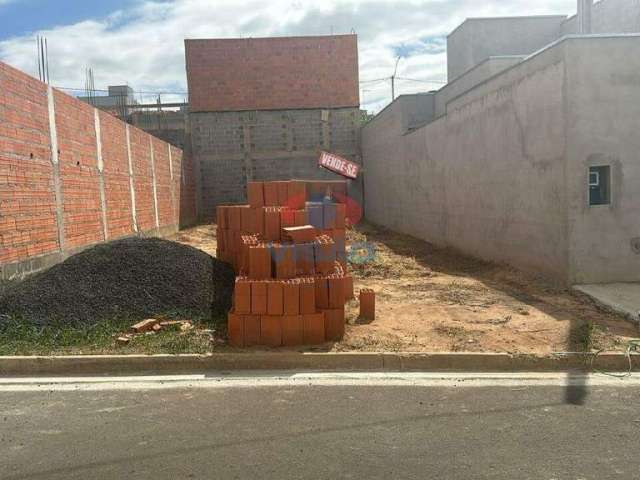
132, 279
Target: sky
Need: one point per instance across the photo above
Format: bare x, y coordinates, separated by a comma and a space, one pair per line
140, 42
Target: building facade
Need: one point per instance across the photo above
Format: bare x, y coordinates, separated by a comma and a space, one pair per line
261, 109
528, 158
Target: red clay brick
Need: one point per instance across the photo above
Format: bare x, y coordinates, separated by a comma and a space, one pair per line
334, 324
297, 195
337, 295
258, 220
284, 261
283, 192
305, 262
275, 298
300, 218
242, 292
259, 262
247, 220
235, 329
322, 292
270, 194
259, 298
302, 234
235, 219
367, 304
255, 194
251, 330
287, 218
291, 293
292, 331
271, 330
307, 296
313, 328
272, 224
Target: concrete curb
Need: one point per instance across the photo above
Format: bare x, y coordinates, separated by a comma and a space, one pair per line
332, 362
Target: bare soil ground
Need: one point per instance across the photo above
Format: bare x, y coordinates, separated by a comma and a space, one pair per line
431, 299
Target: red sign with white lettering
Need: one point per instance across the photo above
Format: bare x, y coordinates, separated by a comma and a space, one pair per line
339, 165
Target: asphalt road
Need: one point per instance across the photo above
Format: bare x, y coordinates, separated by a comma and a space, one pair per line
314, 429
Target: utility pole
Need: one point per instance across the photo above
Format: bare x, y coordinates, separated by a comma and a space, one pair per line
393, 79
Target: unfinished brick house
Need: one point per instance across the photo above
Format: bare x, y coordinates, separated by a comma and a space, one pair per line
262, 108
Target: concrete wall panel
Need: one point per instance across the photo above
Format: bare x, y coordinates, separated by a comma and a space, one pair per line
604, 114
488, 178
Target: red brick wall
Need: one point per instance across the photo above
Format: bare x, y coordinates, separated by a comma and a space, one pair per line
185, 186
163, 181
78, 171
116, 176
272, 73
141, 153
27, 203
28, 220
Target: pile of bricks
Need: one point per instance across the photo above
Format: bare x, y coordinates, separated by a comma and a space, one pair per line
288, 249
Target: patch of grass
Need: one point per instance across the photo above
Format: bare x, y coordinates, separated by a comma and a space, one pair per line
18, 337
583, 338
21, 338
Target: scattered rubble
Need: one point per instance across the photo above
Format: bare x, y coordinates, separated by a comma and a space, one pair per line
151, 326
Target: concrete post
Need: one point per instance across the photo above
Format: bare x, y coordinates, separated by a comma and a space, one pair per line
585, 8
155, 186
103, 200
57, 188
132, 187
173, 194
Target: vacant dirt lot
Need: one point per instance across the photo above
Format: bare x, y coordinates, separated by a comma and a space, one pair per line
430, 299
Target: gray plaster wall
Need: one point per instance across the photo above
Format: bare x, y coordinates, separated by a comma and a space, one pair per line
477, 39
231, 148
488, 178
609, 16
481, 72
603, 120
504, 175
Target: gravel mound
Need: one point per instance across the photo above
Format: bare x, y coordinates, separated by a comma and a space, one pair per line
133, 278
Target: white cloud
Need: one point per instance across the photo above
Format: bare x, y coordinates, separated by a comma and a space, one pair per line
144, 45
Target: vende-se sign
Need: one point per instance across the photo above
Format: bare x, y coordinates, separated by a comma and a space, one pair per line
339, 165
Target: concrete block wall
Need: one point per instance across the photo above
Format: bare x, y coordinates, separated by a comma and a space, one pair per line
231, 148
72, 176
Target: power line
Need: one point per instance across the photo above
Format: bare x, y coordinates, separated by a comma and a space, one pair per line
440, 82
374, 80
141, 92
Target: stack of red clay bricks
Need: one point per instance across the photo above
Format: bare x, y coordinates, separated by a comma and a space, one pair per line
288, 249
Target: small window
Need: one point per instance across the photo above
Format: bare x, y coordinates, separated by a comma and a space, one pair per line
599, 185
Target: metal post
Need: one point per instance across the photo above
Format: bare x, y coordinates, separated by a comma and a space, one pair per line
393, 79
